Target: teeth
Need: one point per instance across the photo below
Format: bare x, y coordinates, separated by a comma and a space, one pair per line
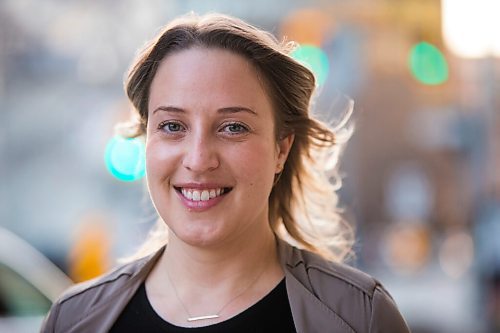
201, 195
196, 195
205, 195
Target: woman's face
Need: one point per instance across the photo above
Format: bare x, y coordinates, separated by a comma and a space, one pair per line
211, 151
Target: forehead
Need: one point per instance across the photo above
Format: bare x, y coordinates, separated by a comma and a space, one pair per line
208, 77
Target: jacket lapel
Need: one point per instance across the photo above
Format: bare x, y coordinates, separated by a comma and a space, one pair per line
106, 313
310, 314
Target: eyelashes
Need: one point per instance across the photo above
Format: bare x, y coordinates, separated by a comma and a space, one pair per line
233, 128
171, 126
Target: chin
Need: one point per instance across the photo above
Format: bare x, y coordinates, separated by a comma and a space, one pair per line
200, 237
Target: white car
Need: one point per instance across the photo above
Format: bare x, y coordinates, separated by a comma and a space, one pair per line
29, 283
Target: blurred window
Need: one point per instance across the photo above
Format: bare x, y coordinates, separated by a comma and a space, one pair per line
18, 297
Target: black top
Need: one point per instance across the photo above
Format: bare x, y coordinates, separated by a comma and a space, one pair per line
271, 314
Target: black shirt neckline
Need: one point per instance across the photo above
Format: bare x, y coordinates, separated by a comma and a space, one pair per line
272, 313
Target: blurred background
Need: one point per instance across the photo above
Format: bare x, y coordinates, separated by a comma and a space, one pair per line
420, 173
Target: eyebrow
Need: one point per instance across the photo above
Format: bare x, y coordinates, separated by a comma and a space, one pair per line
226, 110
168, 109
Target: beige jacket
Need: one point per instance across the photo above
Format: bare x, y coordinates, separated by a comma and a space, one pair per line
324, 297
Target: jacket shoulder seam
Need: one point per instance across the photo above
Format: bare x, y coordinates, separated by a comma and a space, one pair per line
328, 269
75, 293
101, 281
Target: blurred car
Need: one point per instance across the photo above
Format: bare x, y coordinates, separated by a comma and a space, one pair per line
29, 283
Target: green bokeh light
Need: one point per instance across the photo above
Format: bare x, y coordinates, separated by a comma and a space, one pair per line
125, 158
427, 64
315, 59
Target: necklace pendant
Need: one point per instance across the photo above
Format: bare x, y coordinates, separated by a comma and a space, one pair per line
203, 317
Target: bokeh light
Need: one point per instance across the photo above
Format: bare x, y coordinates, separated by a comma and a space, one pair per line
315, 59
456, 253
90, 252
428, 64
125, 158
478, 37
308, 26
406, 247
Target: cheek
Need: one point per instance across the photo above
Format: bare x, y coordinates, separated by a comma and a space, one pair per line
255, 164
160, 160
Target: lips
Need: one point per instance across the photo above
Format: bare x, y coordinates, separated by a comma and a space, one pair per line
202, 194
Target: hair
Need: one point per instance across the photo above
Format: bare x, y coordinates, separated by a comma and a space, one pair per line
303, 202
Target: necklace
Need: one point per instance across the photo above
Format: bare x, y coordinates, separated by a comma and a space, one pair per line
217, 314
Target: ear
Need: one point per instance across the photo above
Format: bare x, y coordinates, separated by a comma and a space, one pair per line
283, 148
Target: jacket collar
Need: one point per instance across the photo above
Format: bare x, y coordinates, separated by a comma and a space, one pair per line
309, 313
100, 319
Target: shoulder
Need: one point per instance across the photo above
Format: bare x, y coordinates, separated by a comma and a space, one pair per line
107, 282
104, 294
355, 297
321, 273
331, 274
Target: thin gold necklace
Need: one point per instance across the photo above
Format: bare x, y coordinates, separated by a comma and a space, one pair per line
217, 314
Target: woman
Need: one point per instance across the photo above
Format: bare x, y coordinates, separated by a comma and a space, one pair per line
236, 171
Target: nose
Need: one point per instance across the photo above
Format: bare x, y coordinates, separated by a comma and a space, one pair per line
201, 155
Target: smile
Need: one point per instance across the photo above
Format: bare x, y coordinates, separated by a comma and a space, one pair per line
202, 194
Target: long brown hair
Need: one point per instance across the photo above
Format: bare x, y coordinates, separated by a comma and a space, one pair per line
303, 203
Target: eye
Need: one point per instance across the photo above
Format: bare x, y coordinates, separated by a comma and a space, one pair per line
234, 128
170, 126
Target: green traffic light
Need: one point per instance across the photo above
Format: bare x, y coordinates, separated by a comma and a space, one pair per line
315, 59
428, 64
125, 158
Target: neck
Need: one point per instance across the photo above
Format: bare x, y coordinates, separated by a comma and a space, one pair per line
219, 265
217, 282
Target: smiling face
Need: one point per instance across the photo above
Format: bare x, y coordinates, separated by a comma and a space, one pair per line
211, 150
